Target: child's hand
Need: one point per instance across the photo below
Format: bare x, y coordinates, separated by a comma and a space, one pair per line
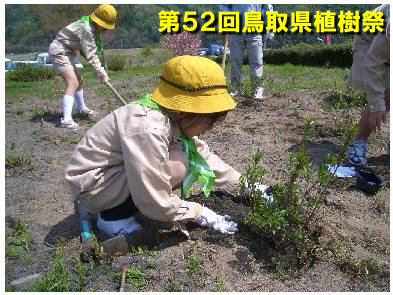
105, 79
223, 224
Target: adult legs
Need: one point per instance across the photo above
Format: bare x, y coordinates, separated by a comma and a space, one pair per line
236, 46
255, 61
358, 148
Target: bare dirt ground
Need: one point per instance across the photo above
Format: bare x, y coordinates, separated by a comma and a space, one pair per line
37, 195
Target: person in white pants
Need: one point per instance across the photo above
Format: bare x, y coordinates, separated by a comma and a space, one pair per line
82, 36
253, 43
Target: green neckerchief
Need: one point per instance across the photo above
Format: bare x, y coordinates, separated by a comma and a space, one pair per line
97, 37
198, 168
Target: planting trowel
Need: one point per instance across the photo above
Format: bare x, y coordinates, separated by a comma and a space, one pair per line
86, 234
121, 245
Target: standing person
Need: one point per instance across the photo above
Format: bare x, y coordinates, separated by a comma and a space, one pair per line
130, 161
269, 34
253, 43
370, 72
82, 36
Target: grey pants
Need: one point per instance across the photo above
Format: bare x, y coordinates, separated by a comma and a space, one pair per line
253, 44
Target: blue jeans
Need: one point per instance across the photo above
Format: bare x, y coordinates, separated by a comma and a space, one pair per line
253, 44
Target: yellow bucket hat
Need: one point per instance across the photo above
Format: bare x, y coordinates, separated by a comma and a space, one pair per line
193, 84
105, 16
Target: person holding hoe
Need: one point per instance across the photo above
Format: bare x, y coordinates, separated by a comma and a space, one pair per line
371, 72
132, 159
82, 36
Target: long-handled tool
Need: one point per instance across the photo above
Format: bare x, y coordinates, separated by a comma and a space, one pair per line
118, 96
123, 277
225, 51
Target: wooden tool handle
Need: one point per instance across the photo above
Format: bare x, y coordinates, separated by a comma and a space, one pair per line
123, 278
225, 51
118, 96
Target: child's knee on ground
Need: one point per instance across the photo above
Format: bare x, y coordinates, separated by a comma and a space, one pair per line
178, 165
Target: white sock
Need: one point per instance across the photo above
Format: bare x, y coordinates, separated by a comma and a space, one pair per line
68, 102
80, 102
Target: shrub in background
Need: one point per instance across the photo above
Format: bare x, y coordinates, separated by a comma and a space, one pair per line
28, 73
183, 43
147, 51
116, 62
311, 55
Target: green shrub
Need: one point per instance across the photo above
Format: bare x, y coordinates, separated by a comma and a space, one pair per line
116, 62
146, 52
345, 100
311, 55
27, 73
291, 221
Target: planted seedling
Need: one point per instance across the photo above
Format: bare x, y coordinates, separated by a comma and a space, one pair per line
292, 219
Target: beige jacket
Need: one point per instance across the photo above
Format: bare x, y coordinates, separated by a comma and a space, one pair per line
126, 153
77, 38
371, 63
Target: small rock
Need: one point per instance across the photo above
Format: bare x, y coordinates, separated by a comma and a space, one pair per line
24, 281
328, 200
196, 234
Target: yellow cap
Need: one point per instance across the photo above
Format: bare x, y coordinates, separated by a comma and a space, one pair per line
105, 16
193, 84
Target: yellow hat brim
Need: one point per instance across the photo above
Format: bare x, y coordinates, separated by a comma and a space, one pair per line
203, 101
102, 23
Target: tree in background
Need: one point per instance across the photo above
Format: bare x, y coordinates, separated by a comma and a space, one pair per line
56, 17
183, 43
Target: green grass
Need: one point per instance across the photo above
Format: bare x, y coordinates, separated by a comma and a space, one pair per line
15, 161
48, 89
19, 242
12, 144
293, 78
221, 286
12, 252
134, 276
194, 265
300, 77
57, 279
277, 78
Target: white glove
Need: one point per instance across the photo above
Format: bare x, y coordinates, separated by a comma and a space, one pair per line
223, 224
263, 189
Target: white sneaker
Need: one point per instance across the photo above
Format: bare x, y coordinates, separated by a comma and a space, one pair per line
234, 93
118, 227
259, 93
70, 124
357, 152
88, 111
